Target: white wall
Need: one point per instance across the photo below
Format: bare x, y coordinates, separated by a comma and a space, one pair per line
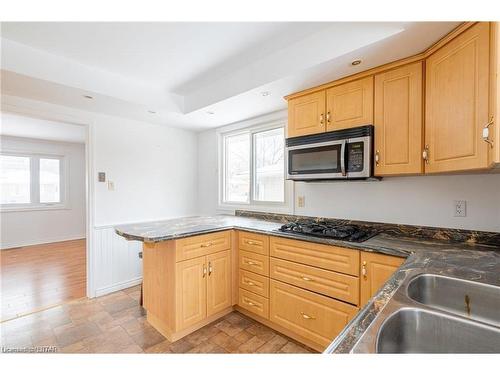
154, 169
22, 228
418, 200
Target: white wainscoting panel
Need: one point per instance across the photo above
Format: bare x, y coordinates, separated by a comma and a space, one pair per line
116, 261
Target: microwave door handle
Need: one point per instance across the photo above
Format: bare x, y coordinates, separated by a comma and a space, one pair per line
343, 159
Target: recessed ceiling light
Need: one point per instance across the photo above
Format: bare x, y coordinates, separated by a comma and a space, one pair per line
356, 62
152, 112
265, 93
88, 97
210, 113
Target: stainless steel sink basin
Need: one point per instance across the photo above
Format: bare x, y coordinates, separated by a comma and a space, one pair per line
470, 299
413, 330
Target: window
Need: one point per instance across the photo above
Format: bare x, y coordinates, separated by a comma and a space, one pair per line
253, 167
28, 181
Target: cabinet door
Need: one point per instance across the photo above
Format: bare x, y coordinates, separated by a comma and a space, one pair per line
218, 282
306, 114
398, 121
350, 105
457, 102
191, 292
376, 269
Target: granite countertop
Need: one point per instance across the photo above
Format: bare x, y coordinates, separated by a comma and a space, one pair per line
464, 260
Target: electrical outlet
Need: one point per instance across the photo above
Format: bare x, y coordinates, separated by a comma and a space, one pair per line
460, 208
111, 185
301, 201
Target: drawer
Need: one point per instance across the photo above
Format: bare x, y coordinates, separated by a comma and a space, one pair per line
329, 283
254, 303
254, 262
310, 315
253, 242
255, 283
329, 257
197, 246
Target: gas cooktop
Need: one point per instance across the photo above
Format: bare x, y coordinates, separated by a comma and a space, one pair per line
344, 232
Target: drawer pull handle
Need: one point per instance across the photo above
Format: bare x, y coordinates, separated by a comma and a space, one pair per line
305, 278
250, 302
250, 263
249, 283
208, 244
308, 317
251, 242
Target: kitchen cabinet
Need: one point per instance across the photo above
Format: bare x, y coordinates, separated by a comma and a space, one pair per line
350, 104
398, 121
457, 95
182, 295
306, 114
376, 269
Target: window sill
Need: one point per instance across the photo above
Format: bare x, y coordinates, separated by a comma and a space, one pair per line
49, 207
279, 208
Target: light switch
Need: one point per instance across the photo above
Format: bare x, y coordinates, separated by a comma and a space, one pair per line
301, 201
111, 185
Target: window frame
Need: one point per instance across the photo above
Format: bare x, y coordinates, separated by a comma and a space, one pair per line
251, 204
35, 204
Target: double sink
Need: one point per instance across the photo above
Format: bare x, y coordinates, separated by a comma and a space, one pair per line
437, 314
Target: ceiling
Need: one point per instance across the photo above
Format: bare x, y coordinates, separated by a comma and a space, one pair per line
194, 75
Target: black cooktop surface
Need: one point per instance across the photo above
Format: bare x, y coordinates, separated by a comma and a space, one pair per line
344, 232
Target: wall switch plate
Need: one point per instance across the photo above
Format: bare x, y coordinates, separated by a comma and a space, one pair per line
301, 201
101, 177
460, 208
111, 185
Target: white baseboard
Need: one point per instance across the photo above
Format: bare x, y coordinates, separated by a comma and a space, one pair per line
118, 286
10, 245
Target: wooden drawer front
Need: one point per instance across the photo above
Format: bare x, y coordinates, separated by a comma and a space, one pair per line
324, 256
254, 283
256, 243
254, 262
332, 284
308, 314
254, 303
197, 246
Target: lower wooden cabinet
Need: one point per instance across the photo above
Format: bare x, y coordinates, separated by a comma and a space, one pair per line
218, 282
376, 269
191, 292
254, 303
310, 315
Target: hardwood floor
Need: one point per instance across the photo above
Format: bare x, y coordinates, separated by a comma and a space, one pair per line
40, 276
116, 323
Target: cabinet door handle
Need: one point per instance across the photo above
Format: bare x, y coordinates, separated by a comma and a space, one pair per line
486, 132
204, 270
321, 119
328, 117
364, 272
425, 154
305, 278
208, 244
209, 268
377, 157
307, 317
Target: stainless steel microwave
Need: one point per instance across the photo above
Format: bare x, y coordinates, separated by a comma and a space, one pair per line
341, 154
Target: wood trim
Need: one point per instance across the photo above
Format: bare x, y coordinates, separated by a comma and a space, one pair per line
394, 64
494, 104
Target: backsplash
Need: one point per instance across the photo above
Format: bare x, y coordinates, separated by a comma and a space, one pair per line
432, 233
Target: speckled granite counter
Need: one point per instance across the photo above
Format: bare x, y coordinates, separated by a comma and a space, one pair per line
464, 260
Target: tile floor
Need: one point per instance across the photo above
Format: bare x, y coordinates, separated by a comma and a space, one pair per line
115, 323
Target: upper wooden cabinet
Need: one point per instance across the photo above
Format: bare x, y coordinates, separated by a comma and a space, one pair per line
306, 115
398, 121
350, 105
376, 269
457, 84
